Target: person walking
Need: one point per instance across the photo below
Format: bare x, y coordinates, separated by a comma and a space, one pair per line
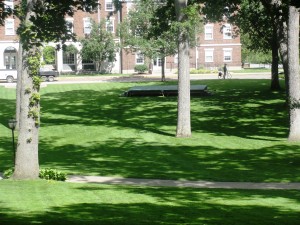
225, 71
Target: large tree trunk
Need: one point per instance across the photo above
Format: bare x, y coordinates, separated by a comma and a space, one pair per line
18, 89
183, 118
294, 79
283, 51
27, 163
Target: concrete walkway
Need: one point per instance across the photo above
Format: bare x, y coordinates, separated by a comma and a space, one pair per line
139, 78
176, 183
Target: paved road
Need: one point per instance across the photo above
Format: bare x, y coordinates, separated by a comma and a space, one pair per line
174, 183
139, 78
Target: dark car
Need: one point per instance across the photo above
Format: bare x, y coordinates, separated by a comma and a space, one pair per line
48, 75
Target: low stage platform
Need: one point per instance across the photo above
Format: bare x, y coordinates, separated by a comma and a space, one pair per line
164, 90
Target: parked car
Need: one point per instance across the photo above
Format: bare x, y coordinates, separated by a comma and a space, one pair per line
8, 75
48, 75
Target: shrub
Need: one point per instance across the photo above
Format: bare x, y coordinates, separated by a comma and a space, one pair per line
47, 174
140, 68
202, 71
52, 174
49, 55
7, 173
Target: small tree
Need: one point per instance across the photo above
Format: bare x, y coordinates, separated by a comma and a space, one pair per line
100, 46
49, 55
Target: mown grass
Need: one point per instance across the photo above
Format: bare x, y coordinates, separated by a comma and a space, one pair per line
42, 202
239, 133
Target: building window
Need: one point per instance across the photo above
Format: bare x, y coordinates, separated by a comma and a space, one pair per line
227, 34
70, 24
209, 55
68, 58
139, 58
9, 4
9, 27
87, 25
209, 32
227, 55
88, 64
110, 26
10, 58
176, 59
109, 6
157, 62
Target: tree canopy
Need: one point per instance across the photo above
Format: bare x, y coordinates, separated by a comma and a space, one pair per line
99, 46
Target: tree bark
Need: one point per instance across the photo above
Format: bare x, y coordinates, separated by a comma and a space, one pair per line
275, 85
26, 162
294, 79
18, 89
183, 107
283, 51
163, 74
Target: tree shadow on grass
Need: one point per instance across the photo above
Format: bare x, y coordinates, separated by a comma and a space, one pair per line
167, 206
135, 159
242, 111
246, 109
238, 110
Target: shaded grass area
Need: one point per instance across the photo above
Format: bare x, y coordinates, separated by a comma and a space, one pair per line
42, 202
239, 133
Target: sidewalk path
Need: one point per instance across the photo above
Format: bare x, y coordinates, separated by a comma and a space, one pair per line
139, 78
176, 183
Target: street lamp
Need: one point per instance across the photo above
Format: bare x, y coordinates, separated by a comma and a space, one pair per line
12, 123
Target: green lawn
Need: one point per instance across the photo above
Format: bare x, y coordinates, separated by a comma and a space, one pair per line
239, 134
42, 202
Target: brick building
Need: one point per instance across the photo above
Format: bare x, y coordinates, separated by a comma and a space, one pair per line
214, 47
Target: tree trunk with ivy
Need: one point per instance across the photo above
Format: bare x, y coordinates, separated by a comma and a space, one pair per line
183, 114
18, 92
27, 162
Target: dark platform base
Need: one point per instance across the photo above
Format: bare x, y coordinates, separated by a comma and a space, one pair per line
164, 90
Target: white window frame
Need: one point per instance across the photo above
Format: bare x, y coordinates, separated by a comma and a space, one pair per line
209, 32
139, 58
209, 55
10, 27
70, 21
227, 33
227, 54
87, 25
109, 6
110, 25
9, 4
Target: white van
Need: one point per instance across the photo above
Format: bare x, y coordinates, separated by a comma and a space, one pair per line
8, 75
